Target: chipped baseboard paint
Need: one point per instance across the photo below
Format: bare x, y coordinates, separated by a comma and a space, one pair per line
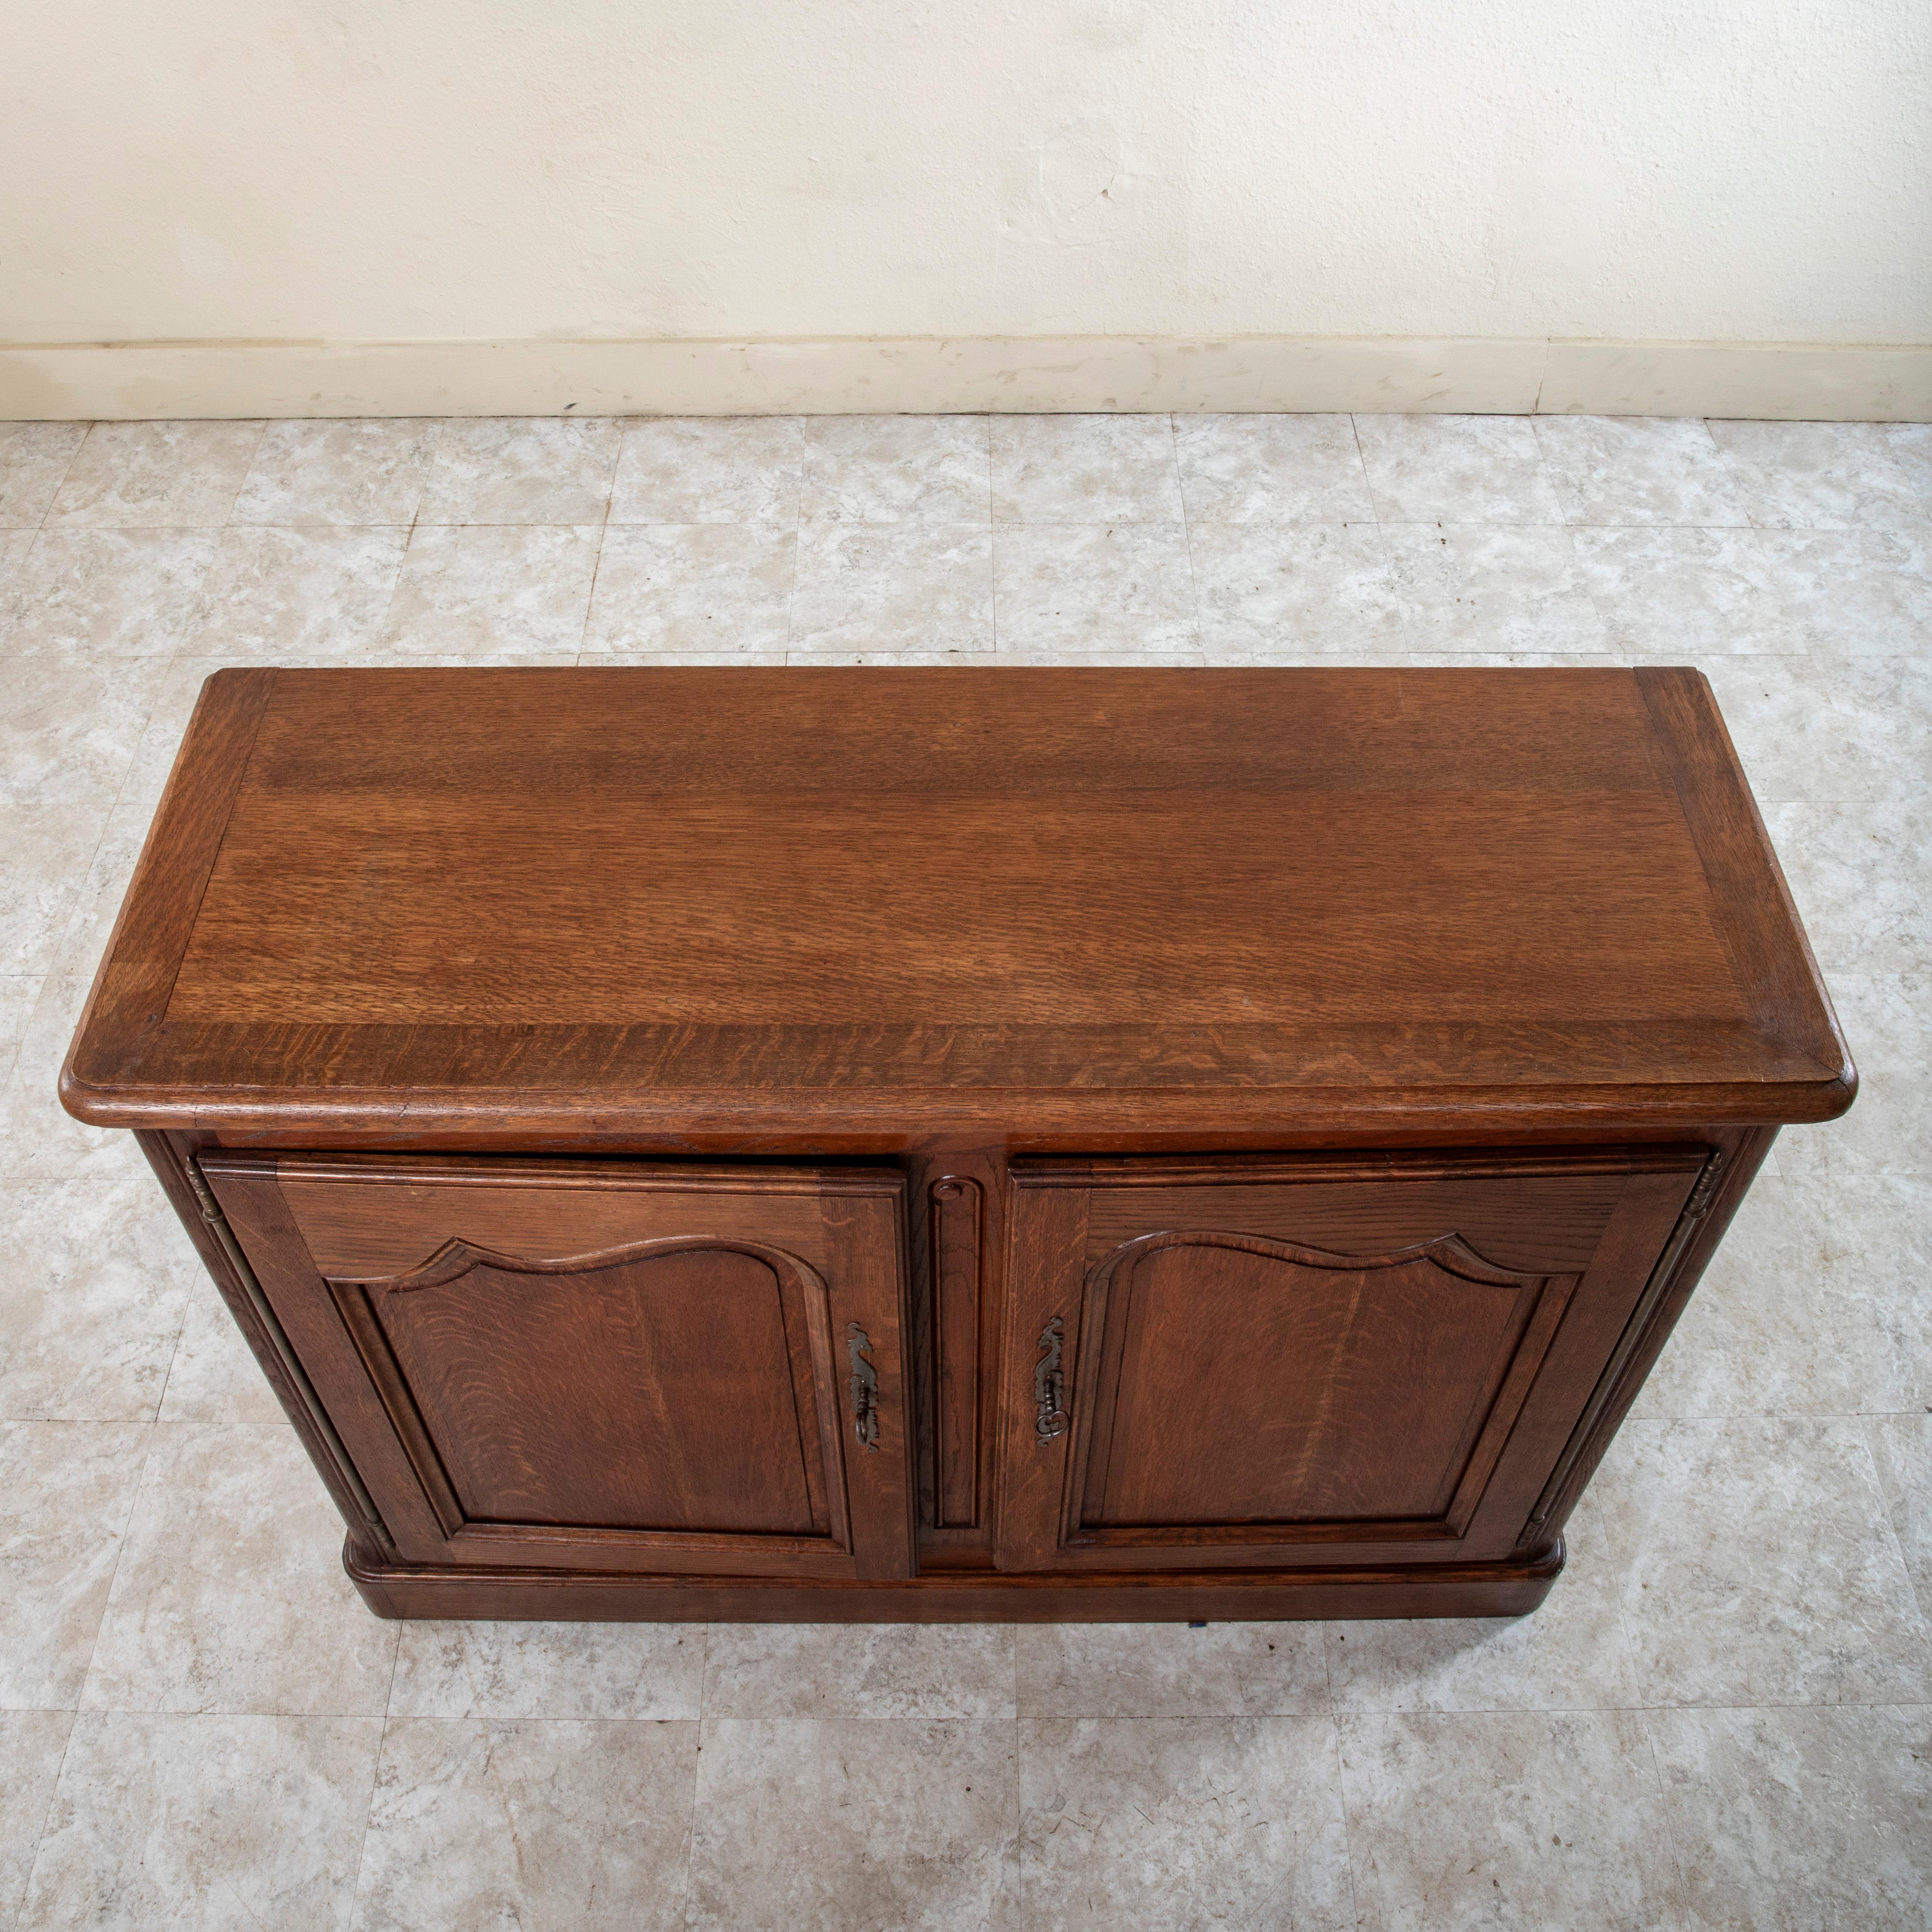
1789, 381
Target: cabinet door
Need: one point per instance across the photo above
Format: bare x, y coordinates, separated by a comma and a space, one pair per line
602, 1365
1369, 1359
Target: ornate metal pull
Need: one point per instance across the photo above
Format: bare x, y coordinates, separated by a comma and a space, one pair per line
864, 1385
1049, 1385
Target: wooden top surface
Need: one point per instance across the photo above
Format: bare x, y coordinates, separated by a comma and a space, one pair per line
924, 901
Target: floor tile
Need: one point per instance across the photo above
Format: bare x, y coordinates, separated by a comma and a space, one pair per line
1171, 1670
1682, 596
1530, 1819
129, 475
69, 726
1857, 872
578, 1671
225, 1824
685, 660
213, 1376
1758, 1565
1515, 660
1819, 1303
34, 459
1084, 469
1570, 1655
723, 589
1887, 704
896, 469
855, 1825
1798, 740
1852, 593
38, 1137
114, 593
1182, 1821
1887, 1019
1639, 470
94, 1284
1901, 1446
282, 595
1271, 470
104, 877
1128, 587
859, 1670
710, 469
18, 992
363, 470
14, 545
1456, 470
32, 1743
67, 1489
546, 1827
1462, 588
807, 657
1910, 446
1822, 475
1115, 657
49, 848
1801, 1820
907, 587
491, 588
230, 1596
522, 469
104, 880
1311, 588
174, 700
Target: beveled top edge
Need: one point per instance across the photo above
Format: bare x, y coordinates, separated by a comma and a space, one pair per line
105, 1080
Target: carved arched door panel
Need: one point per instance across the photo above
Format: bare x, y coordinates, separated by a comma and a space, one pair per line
1244, 1389
680, 1385
1306, 1361
604, 1366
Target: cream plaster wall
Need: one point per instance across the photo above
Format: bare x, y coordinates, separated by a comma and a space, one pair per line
313, 177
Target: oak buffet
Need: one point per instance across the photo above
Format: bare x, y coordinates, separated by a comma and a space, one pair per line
956, 1144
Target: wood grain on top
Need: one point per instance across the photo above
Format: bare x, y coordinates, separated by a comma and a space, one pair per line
923, 900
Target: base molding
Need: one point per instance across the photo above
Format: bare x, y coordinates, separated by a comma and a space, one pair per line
1507, 1587
128, 381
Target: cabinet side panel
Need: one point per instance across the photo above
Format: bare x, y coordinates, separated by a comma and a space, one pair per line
1609, 1294
1667, 1292
245, 1187
261, 1331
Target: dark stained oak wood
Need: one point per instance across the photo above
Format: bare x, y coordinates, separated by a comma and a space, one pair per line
1511, 1588
1020, 1145
914, 902
601, 1365
1319, 1362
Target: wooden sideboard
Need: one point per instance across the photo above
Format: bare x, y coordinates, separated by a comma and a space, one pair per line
959, 1144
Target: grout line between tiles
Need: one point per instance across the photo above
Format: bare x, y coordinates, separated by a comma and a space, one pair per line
1341, 1801
993, 571
368, 1818
114, 1575
53, 1797
54, 495
1186, 535
697, 1772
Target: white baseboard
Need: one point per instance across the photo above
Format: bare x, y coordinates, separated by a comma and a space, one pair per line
134, 380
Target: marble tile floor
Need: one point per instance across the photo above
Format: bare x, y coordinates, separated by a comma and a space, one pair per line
1723, 1717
